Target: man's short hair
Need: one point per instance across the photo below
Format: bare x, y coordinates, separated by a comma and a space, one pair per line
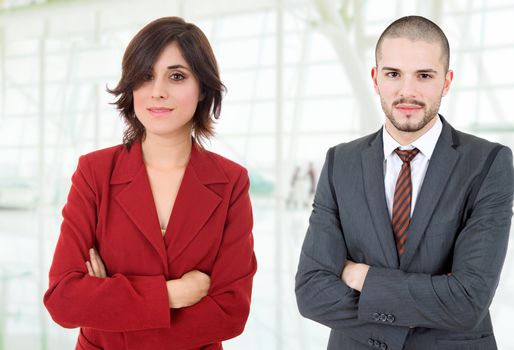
416, 28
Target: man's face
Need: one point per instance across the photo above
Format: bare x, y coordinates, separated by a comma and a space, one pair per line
410, 78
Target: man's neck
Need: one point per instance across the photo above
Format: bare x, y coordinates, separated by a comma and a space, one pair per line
408, 137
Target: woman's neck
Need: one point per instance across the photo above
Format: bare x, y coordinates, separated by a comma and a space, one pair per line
162, 153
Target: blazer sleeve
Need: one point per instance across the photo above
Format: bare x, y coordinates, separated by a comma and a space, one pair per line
321, 295
459, 300
222, 314
75, 299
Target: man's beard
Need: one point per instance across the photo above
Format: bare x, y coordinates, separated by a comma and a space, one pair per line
429, 114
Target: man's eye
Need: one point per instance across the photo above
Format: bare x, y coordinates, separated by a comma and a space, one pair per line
425, 76
177, 76
393, 74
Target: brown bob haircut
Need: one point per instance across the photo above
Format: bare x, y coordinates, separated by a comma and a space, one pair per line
139, 58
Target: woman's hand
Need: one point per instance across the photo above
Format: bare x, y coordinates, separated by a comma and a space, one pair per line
96, 267
188, 290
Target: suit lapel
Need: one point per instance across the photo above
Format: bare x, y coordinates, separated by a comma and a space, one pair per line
136, 198
439, 170
195, 202
373, 174
193, 206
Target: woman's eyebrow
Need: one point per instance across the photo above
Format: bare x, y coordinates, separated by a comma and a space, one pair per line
175, 66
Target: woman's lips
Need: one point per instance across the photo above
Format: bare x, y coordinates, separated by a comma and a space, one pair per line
159, 111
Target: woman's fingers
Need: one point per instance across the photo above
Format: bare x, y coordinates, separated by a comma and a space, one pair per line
90, 269
97, 264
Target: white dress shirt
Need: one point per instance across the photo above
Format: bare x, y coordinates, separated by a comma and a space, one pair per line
419, 165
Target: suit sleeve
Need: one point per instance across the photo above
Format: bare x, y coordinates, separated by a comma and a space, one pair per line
460, 300
222, 314
321, 295
74, 299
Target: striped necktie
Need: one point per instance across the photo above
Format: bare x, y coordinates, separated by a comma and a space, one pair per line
402, 199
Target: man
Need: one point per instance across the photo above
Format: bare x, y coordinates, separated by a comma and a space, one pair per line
410, 225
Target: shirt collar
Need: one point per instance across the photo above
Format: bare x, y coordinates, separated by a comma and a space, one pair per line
426, 143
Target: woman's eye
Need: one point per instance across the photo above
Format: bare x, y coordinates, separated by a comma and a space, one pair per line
147, 77
177, 76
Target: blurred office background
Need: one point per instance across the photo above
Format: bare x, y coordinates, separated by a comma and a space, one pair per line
298, 78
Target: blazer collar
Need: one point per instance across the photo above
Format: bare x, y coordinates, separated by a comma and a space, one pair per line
194, 204
439, 171
440, 168
131, 160
372, 159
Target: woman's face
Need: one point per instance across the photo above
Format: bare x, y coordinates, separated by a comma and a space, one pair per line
166, 100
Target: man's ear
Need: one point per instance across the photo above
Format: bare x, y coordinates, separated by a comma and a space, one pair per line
374, 75
447, 82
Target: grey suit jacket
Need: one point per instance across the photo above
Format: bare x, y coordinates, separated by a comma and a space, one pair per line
437, 295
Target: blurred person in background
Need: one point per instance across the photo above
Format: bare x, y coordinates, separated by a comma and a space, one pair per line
156, 246
410, 225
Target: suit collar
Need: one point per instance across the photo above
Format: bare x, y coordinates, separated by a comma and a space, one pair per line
194, 205
373, 176
131, 160
439, 171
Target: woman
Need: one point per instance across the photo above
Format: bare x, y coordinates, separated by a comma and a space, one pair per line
156, 249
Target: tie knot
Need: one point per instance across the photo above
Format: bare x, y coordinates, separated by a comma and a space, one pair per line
406, 155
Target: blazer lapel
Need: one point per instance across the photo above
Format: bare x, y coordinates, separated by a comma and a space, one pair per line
373, 174
439, 170
136, 198
195, 202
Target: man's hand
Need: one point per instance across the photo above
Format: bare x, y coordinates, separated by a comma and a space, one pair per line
188, 290
96, 267
354, 274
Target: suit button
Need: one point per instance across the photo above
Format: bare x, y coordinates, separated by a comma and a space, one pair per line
383, 346
383, 317
390, 318
376, 343
375, 316
371, 342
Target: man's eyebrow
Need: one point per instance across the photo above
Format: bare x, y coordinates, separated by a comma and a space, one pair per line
390, 68
427, 70
424, 70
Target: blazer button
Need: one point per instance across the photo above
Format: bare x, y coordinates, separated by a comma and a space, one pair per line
376, 343
383, 317
383, 346
375, 316
390, 318
371, 342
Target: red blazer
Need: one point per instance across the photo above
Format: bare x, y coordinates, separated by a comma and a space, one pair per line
110, 207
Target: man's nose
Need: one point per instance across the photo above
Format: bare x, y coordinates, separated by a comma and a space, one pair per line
408, 87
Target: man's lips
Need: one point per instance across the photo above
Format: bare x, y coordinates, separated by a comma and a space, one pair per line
407, 107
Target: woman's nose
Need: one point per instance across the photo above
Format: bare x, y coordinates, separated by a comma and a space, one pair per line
159, 90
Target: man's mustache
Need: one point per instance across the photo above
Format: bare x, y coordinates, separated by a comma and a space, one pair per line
407, 101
